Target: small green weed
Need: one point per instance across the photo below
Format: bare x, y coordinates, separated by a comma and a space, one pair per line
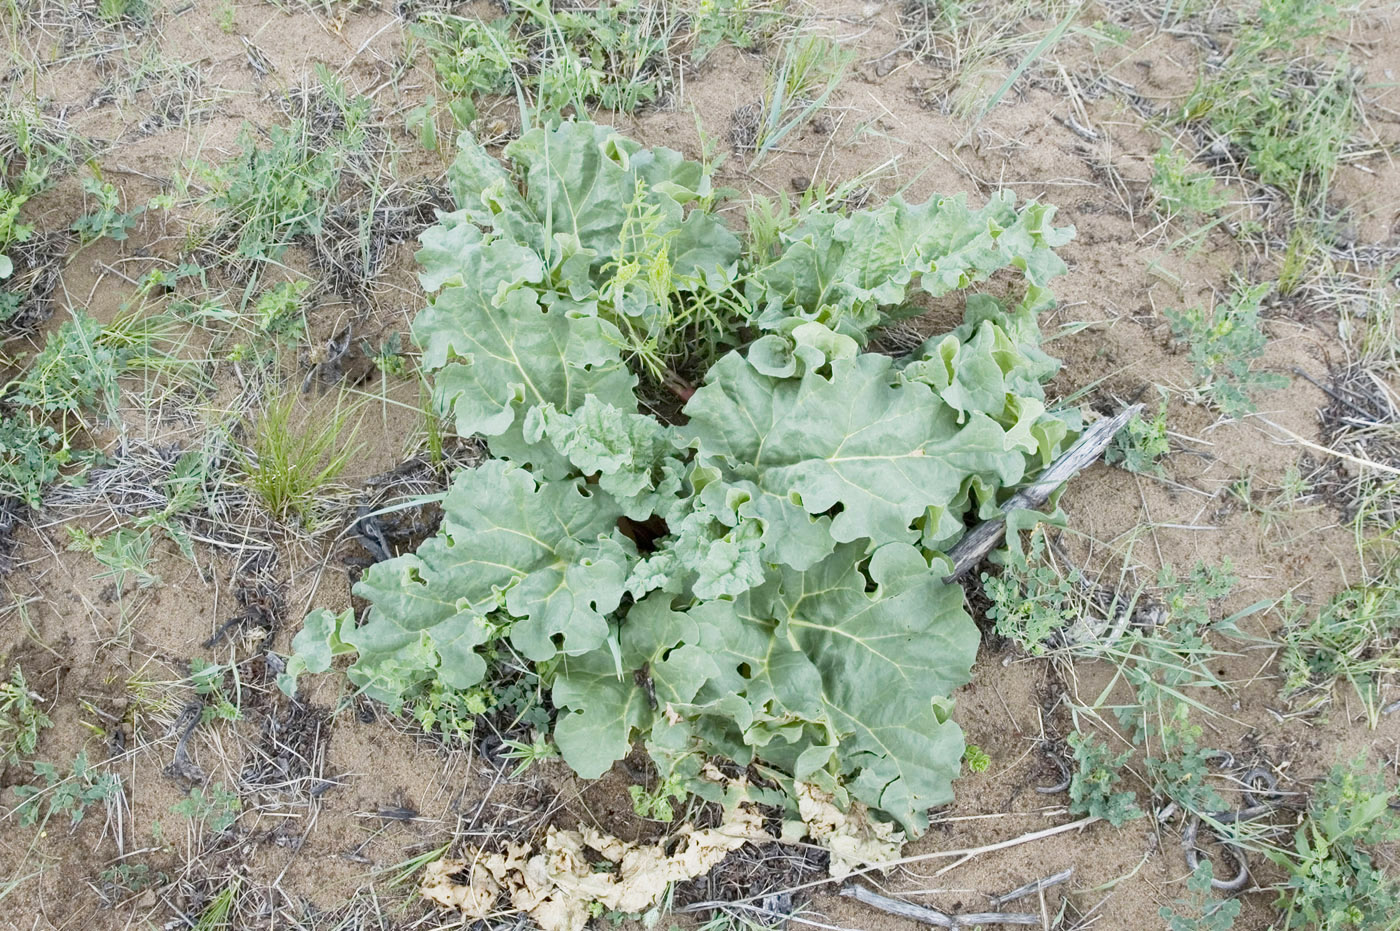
1353, 638
744, 24
1223, 344
21, 720
1141, 444
124, 12
1179, 766
32, 456
207, 679
226, 16
1290, 114
107, 218
124, 553
614, 56
1094, 785
64, 795
657, 804
1180, 193
389, 358
268, 196
279, 315
449, 713
216, 810
976, 759
1200, 910
126, 879
1031, 599
1334, 881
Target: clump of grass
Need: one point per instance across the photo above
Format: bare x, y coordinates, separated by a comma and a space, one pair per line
982, 49
1290, 114
795, 90
295, 454
616, 56
67, 388
1352, 639
269, 195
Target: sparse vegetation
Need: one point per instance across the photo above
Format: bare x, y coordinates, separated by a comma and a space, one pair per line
68, 794
1291, 114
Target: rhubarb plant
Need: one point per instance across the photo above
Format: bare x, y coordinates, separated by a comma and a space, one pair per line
757, 575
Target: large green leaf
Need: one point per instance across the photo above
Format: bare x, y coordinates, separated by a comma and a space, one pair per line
845, 271
878, 449
547, 554
493, 350
818, 658
662, 660
582, 180
632, 455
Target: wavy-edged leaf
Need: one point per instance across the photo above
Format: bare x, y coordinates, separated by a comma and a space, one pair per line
549, 554
879, 449
631, 454
845, 271
493, 350
603, 710
819, 661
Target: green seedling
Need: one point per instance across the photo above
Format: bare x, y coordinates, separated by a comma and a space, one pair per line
1141, 445
69, 795
1223, 345
1094, 786
21, 719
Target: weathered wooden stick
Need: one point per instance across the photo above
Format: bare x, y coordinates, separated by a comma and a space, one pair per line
1021, 892
930, 916
977, 543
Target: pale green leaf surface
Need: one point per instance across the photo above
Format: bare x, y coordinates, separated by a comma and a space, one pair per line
882, 449
493, 350
603, 709
549, 554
